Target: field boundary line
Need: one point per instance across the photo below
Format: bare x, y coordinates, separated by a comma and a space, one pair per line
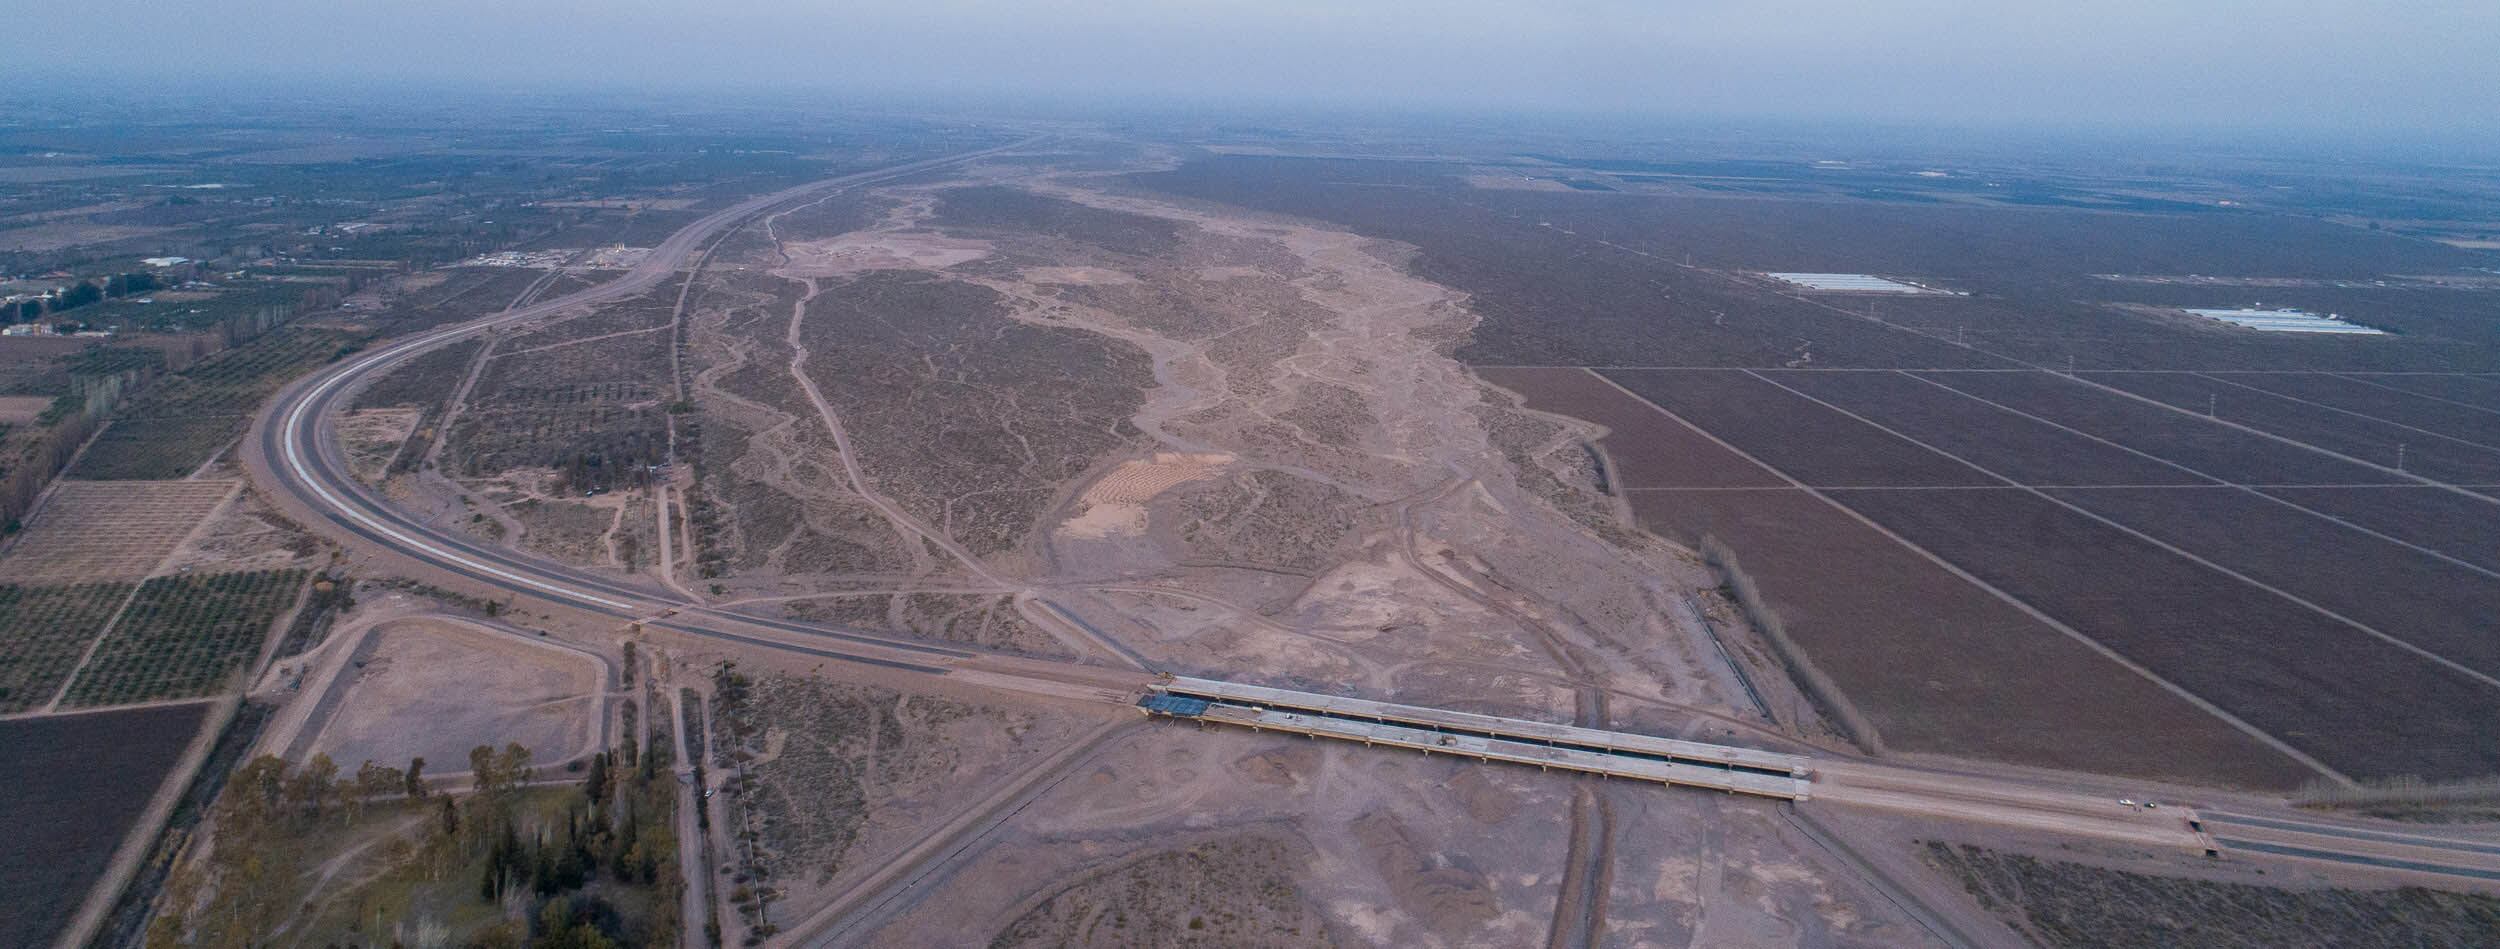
201, 473
2351, 377
2096, 646
104, 709
233, 490
275, 636
43, 498
2344, 411
458, 403
2285, 439
2450, 664
2253, 489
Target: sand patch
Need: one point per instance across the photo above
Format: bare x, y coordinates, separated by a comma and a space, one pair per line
1116, 505
1137, 482
1104, 520
21, 409
1076, 276
878, 250
1221, 274
372, 437
435, 688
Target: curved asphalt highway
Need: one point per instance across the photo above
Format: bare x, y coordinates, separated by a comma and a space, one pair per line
295, 445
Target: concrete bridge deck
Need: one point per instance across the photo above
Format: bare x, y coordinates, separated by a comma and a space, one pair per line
1485, 737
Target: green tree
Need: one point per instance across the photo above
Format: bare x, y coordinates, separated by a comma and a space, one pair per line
312, 789
482, 769
78, 295
595, 784
372, 782
254, 795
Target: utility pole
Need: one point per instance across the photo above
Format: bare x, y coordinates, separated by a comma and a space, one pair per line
2400, 456
2212, 399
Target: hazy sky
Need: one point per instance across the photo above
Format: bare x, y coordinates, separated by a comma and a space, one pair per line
2346, 64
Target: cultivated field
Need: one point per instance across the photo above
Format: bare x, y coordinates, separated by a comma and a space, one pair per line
2364, 438
2063, 904
101, 767
2292, 532
185, 636
44, 631
592, 406
185, 419
109, 530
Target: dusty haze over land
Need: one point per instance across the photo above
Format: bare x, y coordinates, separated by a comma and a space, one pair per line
2340, 65
1581, 474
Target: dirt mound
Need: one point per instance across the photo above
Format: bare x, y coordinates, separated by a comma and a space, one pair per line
1283, 767
1137, 482
1485, 801
1452, 900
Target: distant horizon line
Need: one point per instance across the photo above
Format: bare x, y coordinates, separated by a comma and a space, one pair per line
144, 89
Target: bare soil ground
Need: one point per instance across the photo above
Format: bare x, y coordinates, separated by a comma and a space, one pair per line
569, 530
20, 409
829, 779
373, 437
118, 530
772, 509
247, 534
1289, 479
990, 621
435, 688
1179, 836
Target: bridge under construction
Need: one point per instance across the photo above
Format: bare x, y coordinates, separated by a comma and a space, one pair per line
1484, 737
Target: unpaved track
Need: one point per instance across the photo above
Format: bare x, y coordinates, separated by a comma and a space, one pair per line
841, 917
694, 849
1580, 900
292, 450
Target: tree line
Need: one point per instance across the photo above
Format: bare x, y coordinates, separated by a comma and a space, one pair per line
588, 864
86, 292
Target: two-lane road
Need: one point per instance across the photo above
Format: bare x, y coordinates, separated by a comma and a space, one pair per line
297, 455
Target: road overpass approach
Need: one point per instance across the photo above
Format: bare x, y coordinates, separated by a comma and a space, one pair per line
1484, 737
